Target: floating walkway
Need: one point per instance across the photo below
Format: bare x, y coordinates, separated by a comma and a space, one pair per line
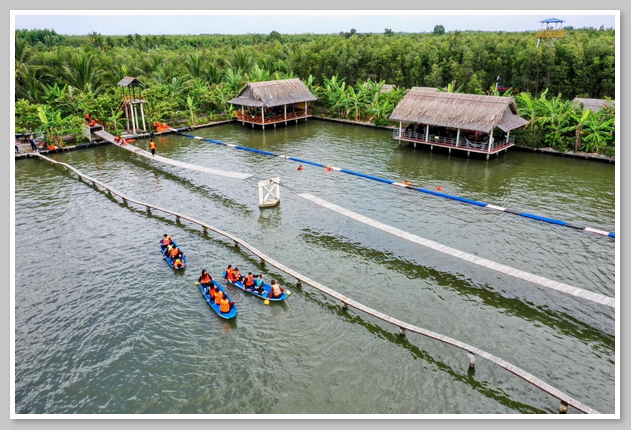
107, 136
411, 187
346, 302
535, 279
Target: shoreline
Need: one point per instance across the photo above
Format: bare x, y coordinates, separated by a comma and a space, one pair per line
582, 155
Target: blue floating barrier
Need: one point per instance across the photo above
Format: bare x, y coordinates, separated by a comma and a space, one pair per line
576, 226
214, 141
612, 234
306, 162
374, 178
540, 218
449, 196
256, 150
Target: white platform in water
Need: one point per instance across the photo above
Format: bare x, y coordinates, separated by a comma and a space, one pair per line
269, 193
107, 136
535, 279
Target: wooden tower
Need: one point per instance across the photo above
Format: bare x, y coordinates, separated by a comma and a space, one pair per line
551, 30
131, 101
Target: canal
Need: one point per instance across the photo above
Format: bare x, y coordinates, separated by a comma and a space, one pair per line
103, 325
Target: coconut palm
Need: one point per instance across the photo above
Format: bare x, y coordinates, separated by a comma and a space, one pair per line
83, 74
240, 59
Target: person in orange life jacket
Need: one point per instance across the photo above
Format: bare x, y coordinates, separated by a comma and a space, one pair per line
205, 278
248, 281
218, 296
212, 291
87, 117
92, 123
277, 290
299, 167
178, 263
117, 139
152, 146
234, 275
225, 305
228, 271
166, 241
175, 252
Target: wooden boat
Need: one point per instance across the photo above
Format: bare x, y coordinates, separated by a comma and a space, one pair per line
266, 287
211, 303
170, 261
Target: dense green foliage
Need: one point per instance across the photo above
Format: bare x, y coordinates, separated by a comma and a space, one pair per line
190, 78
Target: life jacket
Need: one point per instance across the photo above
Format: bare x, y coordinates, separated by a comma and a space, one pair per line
87, 116
218, 297
92, 123
152, 145
225, 306
235, 276
276, 292
212, 292
117, 138
232, 276
228, 273
249, 281
174, 252
205, 278
178, 263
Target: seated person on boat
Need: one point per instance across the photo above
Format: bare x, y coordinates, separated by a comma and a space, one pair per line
178, 263
277, 290
205, 279
166, 241
218, 296
258, 282
248, 281
228, 271
225, 305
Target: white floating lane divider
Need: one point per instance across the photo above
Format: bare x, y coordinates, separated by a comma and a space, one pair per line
413, 188
236, 175
348, 302
539, 280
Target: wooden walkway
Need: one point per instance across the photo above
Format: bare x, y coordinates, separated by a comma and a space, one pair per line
539, 280
403, 326
110, 138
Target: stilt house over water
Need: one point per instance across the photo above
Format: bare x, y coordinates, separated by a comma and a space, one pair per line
272, 102
465, 122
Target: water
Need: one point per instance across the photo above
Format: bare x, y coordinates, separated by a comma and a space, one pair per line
103, 325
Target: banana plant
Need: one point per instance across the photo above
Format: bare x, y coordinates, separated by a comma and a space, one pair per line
191, 105
598, 132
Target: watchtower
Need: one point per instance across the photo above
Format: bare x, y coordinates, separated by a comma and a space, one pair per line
130, 104
551, 30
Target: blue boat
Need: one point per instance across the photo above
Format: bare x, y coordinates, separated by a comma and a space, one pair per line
211, 303
170, 261
267, 288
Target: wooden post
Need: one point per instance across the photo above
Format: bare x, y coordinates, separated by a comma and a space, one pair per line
427, 133
508, 137
263, 115
563, 407
490, 142
458, 139
242, 116
401, 331
177, 219
285, 108
133, 123
400, 127
306, 108
142, 112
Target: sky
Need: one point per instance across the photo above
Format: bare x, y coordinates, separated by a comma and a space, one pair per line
413, 21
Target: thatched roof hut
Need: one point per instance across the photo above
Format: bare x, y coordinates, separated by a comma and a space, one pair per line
430, 89
462, 111
593, 104
129, 81
273, 93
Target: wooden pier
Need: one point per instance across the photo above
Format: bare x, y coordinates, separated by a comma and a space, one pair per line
535, 279
346, 301
110, 138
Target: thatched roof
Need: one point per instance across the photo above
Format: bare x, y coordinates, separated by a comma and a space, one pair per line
129, 82
273, 93
464, 111
430, 89
387, 88
593, 104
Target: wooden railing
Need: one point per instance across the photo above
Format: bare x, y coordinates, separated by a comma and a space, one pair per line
346, 301
463, 142
272, 118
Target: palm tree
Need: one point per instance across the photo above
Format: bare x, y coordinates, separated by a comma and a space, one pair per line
82, 74
240, 60
195, 66
234, 79
258, 75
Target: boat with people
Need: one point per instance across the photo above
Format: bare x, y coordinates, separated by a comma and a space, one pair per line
173, 256
258, 288
232, 310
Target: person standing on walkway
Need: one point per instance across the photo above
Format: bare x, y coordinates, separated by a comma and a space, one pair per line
17, 150
32, 141
152, 146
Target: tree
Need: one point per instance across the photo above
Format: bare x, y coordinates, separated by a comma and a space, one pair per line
439, 30
388, 32
275, 35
